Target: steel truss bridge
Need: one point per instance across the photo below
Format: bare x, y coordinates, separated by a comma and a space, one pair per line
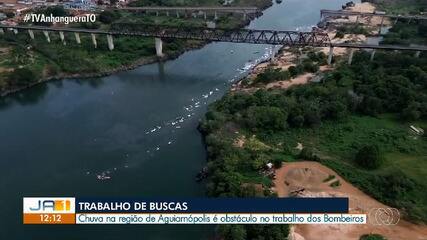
286, 38
252, 36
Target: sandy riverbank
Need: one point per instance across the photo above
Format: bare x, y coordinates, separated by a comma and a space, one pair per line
310, 176
285, 58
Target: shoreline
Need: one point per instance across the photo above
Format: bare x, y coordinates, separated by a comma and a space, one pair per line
284, 59
137, 63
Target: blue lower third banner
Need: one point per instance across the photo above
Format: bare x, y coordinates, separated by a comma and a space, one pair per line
70, 210
214, 205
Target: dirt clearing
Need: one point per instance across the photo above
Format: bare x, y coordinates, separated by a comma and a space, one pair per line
316, 180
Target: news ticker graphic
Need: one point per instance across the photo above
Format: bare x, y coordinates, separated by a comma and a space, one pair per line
70, 210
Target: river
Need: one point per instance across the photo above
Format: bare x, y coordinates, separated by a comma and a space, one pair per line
136, 127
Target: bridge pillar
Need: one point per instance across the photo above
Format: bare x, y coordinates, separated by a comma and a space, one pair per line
370, 20
15, 31
177, 14
417, 54
216, 15
46, 34
159, 47
76, 34
273, 54
94, 39
1, 31
110, 42
372, 55
204, 15
157, 13
61, 36
167, 13
244, 15
357, 19
31, 33
350, 57
331, 54
381, 25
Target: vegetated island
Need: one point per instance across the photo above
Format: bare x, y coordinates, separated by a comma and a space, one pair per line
363, 123
25, 62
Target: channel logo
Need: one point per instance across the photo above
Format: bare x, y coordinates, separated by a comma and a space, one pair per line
383, 216
49, 210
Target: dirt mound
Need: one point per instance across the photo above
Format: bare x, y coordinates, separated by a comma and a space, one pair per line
306, 178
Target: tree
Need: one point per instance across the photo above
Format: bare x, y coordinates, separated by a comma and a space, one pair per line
371, 106
277, 162
411, 113
268, 118
297, 121
22, 76
108, 16
336, 110
308, 154
369, 157
271, 75
232, 232
312, 117
372, 237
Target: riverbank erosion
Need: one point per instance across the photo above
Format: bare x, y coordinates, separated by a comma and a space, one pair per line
25, 62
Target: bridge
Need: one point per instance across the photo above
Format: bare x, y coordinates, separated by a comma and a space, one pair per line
252, 36
325, 12
286, 38
331, 13
194, 11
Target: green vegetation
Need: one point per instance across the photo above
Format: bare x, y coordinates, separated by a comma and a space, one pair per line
369, 157
307, 153
405, 34
401, 6
109, 16
329, 178
22, 76
243, 232
310, 63
351, 29
335, 184
372, 237
365, 104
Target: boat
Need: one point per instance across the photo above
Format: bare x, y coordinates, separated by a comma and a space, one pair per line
103, 177
278, 1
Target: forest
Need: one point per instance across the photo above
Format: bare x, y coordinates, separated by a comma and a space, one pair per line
356, 121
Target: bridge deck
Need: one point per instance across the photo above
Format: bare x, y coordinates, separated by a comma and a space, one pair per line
219, 9
384, 47
353, 13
